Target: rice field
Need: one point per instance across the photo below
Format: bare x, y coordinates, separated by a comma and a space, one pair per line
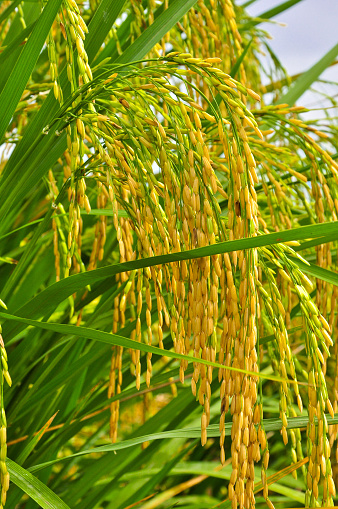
168, 261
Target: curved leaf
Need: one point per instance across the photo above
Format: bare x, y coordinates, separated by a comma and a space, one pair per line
213, 431
156, 31
304, 82
34, 488
47, 301
19, 76
114, 339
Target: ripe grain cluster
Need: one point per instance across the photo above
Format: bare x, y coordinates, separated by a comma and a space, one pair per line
158, 155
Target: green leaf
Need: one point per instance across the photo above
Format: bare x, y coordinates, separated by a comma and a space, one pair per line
114, 339
271, 337
21, 228
34, 488
14, 45
29, 252
47, 301
320, 273
156, 31
316, 242
31, 444
101, 23
123, 34
24, 66
68, 373
9, 10
218, 99
304, 82
107, 212
35, 154
240, 60
270, 13
213, 432
278, 9
158, 477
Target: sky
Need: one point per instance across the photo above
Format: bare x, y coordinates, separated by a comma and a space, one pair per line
311, 32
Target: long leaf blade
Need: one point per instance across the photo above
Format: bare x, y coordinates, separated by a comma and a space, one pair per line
46, 301
266, 15
156, 31
304, 82
18, 78
213, 431
115, 340
34, 488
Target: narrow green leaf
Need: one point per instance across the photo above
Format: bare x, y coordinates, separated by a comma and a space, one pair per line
320, 273
45, 384
304, 82
248, 3
278, 9
114, 339
101, 23
123, 34
156, 31
9, 10
93, 212
213, 431
29, 252
21, 228
107, 212
240, 59
19, 76
271, 337
218, 99
47, 301
304, 169
31, 444
14, 45
29, 159
158, 477
34, 488
316, 242
270, 13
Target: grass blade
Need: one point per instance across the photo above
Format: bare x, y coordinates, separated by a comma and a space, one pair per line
14, 45
318, 272
35, 439
213, 432
156, 31
278, 9
47, 301
240, 59
9, 9
34, 488
101, 23
304, 82
23, 156
114, 339
267, 15
19, 76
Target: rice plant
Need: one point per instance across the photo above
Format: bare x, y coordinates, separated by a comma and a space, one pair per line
168, 282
